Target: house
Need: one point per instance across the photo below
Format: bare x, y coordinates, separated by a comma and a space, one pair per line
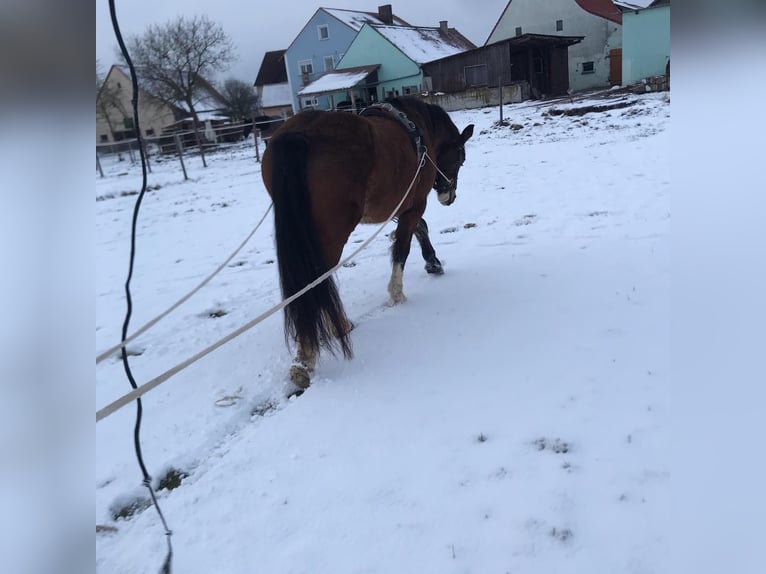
594, 62
114, 110
272, 87
645, 39
322, 43
384, 61
530, 65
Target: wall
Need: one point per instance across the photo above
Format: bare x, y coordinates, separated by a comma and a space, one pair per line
308, 46
646, 44
479, 97
539, 17
396, 70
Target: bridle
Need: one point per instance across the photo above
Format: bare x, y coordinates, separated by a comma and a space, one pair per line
387, 110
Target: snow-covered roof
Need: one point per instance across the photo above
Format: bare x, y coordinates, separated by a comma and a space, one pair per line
338, 80
356, 20
634, 4
422, 44
276, 95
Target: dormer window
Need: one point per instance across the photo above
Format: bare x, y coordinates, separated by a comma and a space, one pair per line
324, 31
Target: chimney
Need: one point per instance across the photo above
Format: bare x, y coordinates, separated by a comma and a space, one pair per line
386, 14
443, 27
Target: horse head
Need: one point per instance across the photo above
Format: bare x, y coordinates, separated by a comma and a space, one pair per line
451, 156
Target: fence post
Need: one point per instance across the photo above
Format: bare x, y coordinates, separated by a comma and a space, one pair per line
98, 165
500, 88
180, 154
256, 132
146, 155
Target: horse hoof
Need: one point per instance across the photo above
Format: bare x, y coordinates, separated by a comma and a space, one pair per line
434, 268
396, 299
299, 376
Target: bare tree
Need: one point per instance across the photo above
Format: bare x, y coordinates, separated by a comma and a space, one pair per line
240, 98
173, 60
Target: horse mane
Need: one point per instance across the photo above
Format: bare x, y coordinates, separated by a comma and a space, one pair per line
433, 115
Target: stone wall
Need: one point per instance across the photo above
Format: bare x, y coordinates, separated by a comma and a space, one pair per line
652, 84
479, 97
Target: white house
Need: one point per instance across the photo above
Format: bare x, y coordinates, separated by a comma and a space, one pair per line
594, 62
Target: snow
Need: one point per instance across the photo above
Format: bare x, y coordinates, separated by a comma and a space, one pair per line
511, 416
421, 45
336, 81
356, 20
635, 4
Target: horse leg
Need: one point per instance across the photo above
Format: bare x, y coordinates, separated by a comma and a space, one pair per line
433, 265
408, 221
303, 366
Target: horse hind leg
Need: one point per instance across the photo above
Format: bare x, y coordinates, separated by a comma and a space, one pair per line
433, 265
303, 366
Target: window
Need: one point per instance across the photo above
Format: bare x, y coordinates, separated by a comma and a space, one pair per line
559, 25
410, 90
310, 102
150, 132
475, 75
128, 123
104, 138
329, 63
518, 30
588, 68
306, 66
324, 31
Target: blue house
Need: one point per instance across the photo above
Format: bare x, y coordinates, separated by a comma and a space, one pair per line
321, 44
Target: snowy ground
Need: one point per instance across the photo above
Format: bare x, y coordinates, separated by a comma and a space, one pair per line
511, 416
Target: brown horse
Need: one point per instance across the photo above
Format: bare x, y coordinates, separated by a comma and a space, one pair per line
327, 172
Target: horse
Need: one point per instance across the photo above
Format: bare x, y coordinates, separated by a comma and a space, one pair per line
328, 171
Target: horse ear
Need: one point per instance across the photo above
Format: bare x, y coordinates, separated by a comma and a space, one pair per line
467, 133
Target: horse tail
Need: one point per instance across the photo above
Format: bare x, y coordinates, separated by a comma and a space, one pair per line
316, 319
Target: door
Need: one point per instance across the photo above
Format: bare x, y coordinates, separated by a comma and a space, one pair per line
615, 67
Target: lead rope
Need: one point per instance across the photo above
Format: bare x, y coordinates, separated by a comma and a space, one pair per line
449, 181
183, 299
167, 564
136, 393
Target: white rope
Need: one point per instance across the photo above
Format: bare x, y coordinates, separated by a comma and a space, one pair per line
183, 299
449, 181
146, 387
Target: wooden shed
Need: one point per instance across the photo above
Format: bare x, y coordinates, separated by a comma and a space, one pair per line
540, 60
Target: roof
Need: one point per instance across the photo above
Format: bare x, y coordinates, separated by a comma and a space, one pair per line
425, 44
354, 19
274, 95
272, 70
527, 40
603, 8
338, 80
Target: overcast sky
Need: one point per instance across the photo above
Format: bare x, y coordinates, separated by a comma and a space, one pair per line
258, 26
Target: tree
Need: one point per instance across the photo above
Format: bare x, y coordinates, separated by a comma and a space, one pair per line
173, 60
241, 99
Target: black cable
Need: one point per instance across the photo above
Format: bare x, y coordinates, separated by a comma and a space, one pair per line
166, 567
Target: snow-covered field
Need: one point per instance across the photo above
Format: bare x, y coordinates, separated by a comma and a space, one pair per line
511, 416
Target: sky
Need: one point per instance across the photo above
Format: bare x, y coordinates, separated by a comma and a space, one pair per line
513, 415
257, 30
